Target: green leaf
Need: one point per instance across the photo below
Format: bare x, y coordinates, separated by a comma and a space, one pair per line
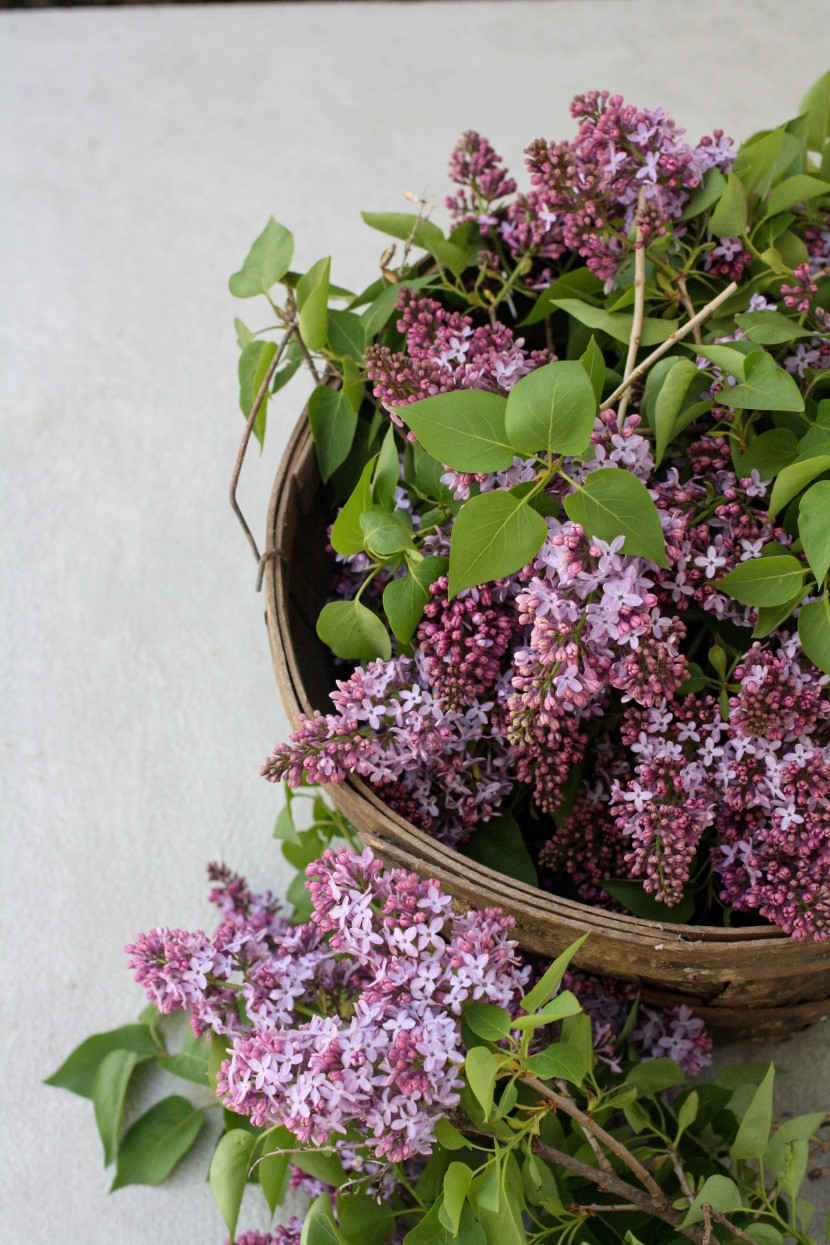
271, 1171
764, 1234
347, 336
354, 389
612, 502
794, 478
156, 1142
814, 527
770, 328
594, 365
632, 896
464, 429
431, 1231
220, 1045
687, 1114
421, 233
798, 189
768, 454
494, 535
385, 534
267, 262
456, 1183
730, 215
771, 616
552, 409
363, 1221
801, 1128
653, 1076
387, 471
753, 1133
561, 1061
719, 1192
404, 598
668, 403
108, 1093
579, 283
499, 845
333, 424
764, 581
814, 632
229, 1173
617, 324
77, 1072
816, 107
448, 1136
481, 1069
319, 1227
191, 1063
707, 194
312, 304
254, 363
565, 1004
382, 308
347, 534
244, 336
487, 1021
353, 632
549, 982
766, 387
763, 159
730, 359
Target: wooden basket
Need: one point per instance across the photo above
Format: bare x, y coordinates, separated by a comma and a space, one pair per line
747, 983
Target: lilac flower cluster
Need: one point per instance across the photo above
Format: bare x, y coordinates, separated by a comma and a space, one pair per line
387, 1060
672, 1033
760, 780
441, 765
585, 192
444, 351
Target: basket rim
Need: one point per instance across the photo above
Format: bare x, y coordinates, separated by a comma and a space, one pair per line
536, 902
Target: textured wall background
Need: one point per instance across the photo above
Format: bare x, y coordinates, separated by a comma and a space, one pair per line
143, 150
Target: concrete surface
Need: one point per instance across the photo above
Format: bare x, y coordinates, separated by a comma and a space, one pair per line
143, 150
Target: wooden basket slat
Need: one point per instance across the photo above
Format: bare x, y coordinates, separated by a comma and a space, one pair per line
754, 981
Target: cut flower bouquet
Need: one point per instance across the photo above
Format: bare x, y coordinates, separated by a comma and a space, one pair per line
579, 468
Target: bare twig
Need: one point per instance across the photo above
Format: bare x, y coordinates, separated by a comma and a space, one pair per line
707, 1224
249, 427
604, 1206
639, 300
675, 337
610, 1182
689, 305
590, 1126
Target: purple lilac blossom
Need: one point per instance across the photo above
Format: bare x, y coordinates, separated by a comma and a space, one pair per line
391, 1064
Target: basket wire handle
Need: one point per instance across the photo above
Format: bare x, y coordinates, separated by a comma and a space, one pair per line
240, 458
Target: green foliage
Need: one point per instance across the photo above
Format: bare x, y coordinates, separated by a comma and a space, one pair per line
267, 262
312, 304
764, 581
494, 535
254, 362
333, 423
353, 632
499, 844
551, 410
464, 429
613, 503
157, 1141
229, 1173
814, 631
77, 1073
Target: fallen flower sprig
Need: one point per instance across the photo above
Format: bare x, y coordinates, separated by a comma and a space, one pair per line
402, 1066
